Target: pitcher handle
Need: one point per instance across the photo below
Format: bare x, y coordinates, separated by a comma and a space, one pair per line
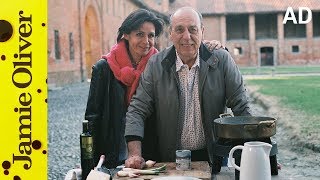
231, 156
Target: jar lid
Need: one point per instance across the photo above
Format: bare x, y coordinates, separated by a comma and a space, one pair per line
183, 153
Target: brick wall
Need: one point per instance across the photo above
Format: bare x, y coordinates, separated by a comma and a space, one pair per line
94, 31
62, 17
215, 28
99, 20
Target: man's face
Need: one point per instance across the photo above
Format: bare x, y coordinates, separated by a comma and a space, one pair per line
186, 33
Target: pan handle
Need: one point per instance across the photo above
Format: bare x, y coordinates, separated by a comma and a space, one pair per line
225, 115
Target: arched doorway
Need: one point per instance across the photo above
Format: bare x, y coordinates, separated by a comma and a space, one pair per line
92, 40
266, 56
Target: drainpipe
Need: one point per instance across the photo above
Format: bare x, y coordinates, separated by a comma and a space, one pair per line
80, 42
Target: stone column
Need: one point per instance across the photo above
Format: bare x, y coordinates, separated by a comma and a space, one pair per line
252, 41
223, 30
309, 31
280, 27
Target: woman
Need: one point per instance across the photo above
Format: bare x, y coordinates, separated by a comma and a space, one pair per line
114, 80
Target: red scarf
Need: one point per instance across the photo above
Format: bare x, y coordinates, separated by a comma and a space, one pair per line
121, 66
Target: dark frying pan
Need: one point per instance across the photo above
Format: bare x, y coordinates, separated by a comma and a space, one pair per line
244, 127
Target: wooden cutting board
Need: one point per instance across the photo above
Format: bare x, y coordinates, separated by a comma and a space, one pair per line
199, 169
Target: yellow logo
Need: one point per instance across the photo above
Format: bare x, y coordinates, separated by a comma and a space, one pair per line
23, 94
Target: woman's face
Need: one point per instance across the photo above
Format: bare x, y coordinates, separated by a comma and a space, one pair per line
141, 40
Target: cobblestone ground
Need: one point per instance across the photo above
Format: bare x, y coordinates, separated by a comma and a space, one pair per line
66, 112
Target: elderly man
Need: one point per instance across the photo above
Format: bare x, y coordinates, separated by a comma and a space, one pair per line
186, 87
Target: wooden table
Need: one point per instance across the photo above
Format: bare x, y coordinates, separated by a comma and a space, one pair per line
200, 169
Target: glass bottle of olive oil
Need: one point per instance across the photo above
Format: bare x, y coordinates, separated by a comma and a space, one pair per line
86, 145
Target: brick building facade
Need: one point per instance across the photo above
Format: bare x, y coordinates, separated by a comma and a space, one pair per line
80, 31
254, 32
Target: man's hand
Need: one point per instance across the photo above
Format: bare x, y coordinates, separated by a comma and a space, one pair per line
213, 44
135, 159
136, 162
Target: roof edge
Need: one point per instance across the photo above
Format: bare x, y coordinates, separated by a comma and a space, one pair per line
235, 13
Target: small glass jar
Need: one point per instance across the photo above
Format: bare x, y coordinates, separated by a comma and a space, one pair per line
183, 160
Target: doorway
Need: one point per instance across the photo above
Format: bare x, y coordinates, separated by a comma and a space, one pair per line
266, 56
92, 41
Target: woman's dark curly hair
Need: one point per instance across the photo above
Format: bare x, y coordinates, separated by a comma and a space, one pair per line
136, 19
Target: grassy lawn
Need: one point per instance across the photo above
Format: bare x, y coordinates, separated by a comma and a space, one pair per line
279, 69
301, 94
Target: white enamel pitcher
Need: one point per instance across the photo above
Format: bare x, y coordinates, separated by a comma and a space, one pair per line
255, 163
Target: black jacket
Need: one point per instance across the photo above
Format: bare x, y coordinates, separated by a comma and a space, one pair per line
106, 110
